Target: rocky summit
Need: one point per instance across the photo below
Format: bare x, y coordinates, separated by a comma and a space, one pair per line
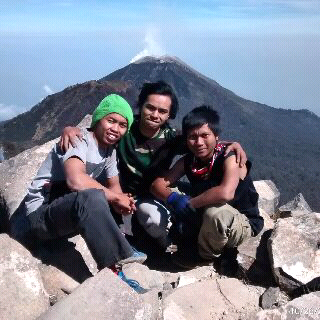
277, 274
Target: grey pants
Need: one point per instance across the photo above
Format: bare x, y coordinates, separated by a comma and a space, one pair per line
222, 226
85, 212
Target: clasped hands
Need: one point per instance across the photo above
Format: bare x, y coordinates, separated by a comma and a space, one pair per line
124, 204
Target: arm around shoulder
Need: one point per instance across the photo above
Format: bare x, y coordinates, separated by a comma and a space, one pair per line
224, 192
160, 187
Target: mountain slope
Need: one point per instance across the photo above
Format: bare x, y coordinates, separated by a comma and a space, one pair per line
283, 144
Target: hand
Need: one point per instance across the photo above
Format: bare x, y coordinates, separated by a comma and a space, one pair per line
68, 138
123, 204
180, 204
241, 156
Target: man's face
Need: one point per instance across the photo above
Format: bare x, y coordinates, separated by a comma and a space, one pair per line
155, 111
201, 141
110, 129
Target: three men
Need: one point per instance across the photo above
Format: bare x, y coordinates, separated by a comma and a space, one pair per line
148, 150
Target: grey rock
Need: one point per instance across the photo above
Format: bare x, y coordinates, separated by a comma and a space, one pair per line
305, 307
82, 248
56, 283
22, 292
269, 196
297, 206
253, 260
268, 221
103, 296
294, 250
148, 279
273, 298
212, 299
15, 175
64, 255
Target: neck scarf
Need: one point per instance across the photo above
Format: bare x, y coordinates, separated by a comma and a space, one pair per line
203, 172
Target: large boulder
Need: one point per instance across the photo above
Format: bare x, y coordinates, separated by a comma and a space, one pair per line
305, 307
295, 207
269, 196
16, 173
103, 296
22, 292
253, 258
212, 299
294, 250
56, 282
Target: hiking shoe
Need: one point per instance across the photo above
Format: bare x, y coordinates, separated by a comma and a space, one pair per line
132, 283
137, 256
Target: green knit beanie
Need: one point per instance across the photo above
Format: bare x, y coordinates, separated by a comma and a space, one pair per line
112, 103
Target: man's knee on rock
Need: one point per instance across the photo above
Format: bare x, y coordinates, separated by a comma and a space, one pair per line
91, 201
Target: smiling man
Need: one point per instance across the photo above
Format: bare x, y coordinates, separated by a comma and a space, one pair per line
71, 192
222, 209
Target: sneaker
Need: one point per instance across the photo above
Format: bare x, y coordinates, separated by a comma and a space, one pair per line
137, 256
132, 283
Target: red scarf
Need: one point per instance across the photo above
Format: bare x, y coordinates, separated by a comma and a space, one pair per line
204, 172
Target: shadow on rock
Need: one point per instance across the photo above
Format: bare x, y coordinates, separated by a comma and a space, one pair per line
60, 253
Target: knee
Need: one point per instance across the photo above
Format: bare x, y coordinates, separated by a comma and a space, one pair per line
92, 196
91, 201
147, 215
217, 219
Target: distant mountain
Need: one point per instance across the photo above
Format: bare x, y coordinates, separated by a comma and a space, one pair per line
283, 144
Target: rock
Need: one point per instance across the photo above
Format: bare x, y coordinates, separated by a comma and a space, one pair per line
148, 279
273, 298
197, 274
15, 175
104, 296
305, 307
269, 196
56, 283
294, 250
298, 206
220, 301
63, 254
81, 246
268, 221
22, 292
253, 260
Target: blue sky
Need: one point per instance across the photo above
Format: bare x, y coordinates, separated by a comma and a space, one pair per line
266, 51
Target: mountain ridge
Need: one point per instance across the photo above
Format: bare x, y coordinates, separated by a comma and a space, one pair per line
280, 142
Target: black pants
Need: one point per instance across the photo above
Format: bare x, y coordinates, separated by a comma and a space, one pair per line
87, 213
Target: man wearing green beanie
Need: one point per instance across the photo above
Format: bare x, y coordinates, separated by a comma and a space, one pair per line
144, 153
71, 192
